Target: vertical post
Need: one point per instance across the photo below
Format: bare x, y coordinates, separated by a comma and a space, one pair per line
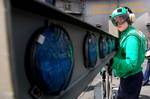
6, 90
107, 83
118, 3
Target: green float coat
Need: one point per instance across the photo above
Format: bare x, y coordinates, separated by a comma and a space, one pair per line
129, 57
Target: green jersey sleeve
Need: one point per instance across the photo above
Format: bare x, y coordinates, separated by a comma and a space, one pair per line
124, 66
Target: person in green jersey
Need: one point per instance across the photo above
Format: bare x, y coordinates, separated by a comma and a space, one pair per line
129, 57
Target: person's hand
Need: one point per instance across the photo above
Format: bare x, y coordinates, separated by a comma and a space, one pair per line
110, 66
111, 62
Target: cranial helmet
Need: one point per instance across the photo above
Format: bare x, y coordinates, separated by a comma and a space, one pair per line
123, 12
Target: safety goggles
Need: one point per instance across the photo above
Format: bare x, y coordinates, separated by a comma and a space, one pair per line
119, 20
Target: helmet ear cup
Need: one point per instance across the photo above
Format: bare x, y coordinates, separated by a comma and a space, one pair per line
132, 17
